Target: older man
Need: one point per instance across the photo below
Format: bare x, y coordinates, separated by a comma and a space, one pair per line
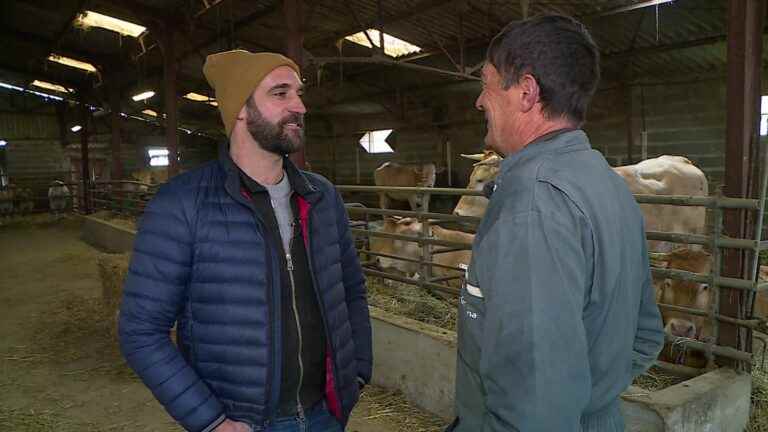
557, 315
255, 261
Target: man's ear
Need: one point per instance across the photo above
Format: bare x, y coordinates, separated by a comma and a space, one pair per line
529, 92
241, 115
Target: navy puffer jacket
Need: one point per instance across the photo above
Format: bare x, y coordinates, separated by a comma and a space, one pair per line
202, 257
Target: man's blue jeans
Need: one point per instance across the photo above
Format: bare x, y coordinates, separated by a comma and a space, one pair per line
317, 419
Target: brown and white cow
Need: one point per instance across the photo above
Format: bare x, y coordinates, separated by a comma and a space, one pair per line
663, 175
688, 294
412, 250
408, 175
694, 295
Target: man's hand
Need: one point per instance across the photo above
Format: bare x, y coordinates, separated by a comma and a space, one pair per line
232, 426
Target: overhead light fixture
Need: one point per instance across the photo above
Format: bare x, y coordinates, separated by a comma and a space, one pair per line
639, 5
3, 143
197, 97
76, 128
94, 19
392, 46
150, 112
143, 96
50, 86
67, 61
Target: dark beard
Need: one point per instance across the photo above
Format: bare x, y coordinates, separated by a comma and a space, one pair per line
273, 137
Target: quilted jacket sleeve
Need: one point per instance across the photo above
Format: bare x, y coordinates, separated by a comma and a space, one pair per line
357, 302
153, 296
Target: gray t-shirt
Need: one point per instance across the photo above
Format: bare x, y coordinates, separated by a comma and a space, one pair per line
280, 198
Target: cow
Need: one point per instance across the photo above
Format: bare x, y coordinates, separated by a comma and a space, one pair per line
694, 295
58, 197
664, 175
413, 175
486, 168
668, 175
412, 250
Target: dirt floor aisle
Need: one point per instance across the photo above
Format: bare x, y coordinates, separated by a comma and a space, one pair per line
59, 365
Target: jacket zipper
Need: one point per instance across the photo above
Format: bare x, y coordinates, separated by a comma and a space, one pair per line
321, 305
289, 264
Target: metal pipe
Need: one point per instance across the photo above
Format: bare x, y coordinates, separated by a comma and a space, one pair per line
698, 201
445, 278
680, 200
411, 238
727, 352
414, 214
405, 280
414, 190
741, 284
752, 323
680, 370
726, 242
387, 62
411, 260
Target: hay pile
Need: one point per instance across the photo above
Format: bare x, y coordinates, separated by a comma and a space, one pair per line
412, 302
656, 379
38, 421
112, 270
74, 334
390, 407
758, 419
118, 219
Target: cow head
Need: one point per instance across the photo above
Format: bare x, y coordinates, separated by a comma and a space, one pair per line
686, 294
485, 169
401, 248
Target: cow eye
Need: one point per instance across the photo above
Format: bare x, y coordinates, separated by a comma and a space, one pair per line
704, 287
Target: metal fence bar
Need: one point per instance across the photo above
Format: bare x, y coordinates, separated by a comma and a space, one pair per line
728, 242
741, 284
431, 191
414, 214
728, 352
438, 242
415, 261
680, 370
699, 201
752, 323
405, 280
715, 283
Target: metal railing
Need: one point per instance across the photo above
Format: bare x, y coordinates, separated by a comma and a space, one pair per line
715, 240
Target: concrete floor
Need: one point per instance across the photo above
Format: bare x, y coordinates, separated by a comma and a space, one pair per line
47, 272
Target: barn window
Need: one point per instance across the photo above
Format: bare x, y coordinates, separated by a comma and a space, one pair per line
764, 116
392, 46
376, 141
158, 156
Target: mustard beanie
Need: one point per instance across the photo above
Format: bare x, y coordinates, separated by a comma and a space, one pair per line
235, 74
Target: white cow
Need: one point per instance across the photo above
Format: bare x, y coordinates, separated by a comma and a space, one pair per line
408, 175
58, 197
664, 175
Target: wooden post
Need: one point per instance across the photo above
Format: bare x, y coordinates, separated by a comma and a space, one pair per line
116, 169
745, 28
85, 172
168, 45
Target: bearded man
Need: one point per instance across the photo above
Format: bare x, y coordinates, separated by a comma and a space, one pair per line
253, 260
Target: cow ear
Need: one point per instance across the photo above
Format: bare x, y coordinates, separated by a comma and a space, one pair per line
474, 157
392, 218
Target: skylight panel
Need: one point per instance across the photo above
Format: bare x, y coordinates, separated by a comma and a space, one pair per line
94, 19
392, 46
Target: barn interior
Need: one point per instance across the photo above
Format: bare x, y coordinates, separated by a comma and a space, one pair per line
88, 101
